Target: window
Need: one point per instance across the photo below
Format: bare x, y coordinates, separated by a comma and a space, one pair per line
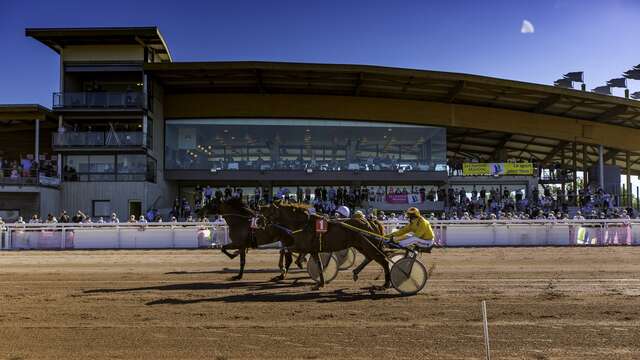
124, 167
101, 208
132, 167
9, 215
101, 168
151, 169
298, 144
150, 98
149, 135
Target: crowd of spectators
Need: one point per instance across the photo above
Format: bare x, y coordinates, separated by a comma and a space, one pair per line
551, 203
25, 168
459, 204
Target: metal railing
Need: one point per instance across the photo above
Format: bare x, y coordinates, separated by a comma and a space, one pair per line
449, 233
98, 139
120, 100
113, 236
33, 177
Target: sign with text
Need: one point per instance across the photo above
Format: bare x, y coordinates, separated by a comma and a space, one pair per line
497, 169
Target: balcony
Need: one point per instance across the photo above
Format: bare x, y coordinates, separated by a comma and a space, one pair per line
99, 100
17, 177
95, 139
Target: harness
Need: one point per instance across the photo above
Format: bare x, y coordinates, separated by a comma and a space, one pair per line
254, 225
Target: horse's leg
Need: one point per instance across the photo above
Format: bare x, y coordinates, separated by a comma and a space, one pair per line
288, 260
360, 267
281, 259
283, 264
370, 251
316, 257
301, 259
225, 251
243, 256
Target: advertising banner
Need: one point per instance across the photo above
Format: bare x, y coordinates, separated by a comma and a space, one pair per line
403, 199
396, 199
497, 169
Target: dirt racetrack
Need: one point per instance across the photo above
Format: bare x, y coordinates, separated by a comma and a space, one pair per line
543, 303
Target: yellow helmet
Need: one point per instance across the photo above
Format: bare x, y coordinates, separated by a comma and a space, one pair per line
413, 211
358, 214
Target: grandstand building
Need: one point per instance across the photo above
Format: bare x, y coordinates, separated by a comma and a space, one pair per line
130, 129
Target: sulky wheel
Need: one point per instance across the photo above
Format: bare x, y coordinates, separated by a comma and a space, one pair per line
396, 257
329, 267
408, 276
346, 258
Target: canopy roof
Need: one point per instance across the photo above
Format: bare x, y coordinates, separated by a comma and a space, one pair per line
377, 81
58, 38
423, 85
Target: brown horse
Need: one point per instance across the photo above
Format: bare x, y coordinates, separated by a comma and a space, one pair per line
301, 224
238, 218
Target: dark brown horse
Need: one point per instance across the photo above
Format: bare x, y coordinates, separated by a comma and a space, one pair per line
243, 237
301, 224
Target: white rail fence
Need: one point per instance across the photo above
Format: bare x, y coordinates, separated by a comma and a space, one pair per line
203, 235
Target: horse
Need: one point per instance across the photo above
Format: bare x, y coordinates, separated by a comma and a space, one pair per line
238, 218
297, 220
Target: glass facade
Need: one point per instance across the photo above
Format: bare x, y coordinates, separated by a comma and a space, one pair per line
120, 167
299, 144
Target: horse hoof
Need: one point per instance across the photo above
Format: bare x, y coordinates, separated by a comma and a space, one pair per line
315, 288
355, 276
236, 278
277, 278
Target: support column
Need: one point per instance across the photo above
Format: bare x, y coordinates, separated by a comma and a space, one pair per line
601, 166
59, 163
60, 135
574, 165
629, 190
562, 176
585, 166
37, 147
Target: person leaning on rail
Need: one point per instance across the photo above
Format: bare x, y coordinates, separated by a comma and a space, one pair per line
419, 228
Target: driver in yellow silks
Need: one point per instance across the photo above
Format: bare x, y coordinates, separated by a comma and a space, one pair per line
419, 229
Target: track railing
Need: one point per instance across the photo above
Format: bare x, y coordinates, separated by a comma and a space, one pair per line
113, 236
451, 233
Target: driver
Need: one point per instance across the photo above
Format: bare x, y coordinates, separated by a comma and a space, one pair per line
419, 229
342, 212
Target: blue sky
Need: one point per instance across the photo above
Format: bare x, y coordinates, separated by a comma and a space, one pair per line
478, 37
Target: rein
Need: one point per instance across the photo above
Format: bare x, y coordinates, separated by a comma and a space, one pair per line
285, 229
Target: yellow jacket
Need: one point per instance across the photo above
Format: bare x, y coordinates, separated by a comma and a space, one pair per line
419, 226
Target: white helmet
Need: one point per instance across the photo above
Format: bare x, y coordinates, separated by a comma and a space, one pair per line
343, 211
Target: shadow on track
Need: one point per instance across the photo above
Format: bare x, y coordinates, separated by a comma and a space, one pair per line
233, 271
252, 286
321, 297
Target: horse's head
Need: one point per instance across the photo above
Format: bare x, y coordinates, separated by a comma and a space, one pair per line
269, 211
293, 215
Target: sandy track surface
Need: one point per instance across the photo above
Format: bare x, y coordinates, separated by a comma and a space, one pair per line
543, 303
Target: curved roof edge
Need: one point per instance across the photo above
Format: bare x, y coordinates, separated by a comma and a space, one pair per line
381, 81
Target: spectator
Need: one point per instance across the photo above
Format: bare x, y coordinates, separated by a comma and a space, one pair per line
34, 219
64, 217
79, 217
142, 220
114, 219
132, 219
